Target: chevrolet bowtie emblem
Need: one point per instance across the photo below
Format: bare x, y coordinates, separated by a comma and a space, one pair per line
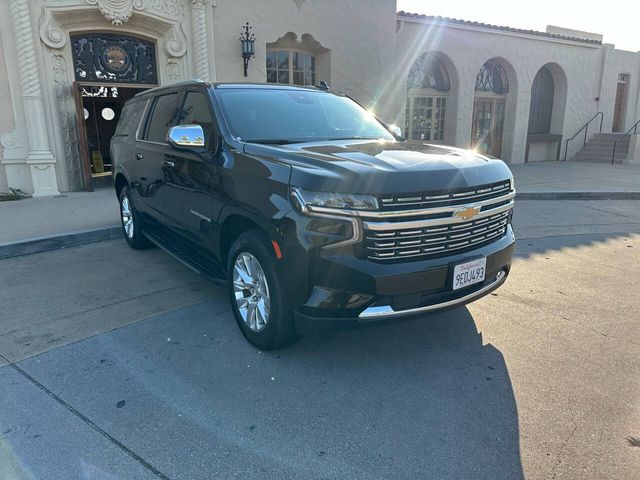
467, 212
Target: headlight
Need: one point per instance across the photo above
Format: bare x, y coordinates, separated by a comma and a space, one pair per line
345, 201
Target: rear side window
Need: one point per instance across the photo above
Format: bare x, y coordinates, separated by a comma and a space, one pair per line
195, 111
162, 116
130, 118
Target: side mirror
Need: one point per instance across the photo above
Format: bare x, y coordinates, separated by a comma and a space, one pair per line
396, 130
186, 136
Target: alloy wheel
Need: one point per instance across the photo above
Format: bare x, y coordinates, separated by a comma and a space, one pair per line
127, 216
251, 291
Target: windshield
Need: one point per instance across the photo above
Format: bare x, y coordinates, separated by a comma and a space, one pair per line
287, 116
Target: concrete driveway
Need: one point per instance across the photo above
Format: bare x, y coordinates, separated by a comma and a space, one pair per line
123, 364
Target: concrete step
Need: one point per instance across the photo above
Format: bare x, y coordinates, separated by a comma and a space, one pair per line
590, 155
604, 151
614, 136
600, 159
607, 142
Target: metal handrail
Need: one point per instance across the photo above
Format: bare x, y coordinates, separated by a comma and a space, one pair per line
585, 127
615, 144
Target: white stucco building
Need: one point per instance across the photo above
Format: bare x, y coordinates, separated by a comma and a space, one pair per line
66, 66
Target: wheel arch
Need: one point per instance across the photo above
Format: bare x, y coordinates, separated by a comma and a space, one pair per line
233, 226
119, 183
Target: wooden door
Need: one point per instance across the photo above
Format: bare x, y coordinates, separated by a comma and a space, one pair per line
482, 116
488, 125
497, 127
83, 145
618, 109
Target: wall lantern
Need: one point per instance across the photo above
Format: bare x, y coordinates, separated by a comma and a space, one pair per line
248, 41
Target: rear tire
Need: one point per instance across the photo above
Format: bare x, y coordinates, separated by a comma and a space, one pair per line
131, 222
257, 300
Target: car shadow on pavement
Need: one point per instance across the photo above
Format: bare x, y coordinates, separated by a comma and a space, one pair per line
439, 398
425, 398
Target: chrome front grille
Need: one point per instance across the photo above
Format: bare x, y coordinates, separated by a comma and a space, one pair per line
461, 222
437, 240
437, 199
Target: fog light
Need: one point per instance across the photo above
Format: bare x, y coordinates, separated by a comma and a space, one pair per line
330, 227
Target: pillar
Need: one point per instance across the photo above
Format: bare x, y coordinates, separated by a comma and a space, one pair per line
200, 39
40, 158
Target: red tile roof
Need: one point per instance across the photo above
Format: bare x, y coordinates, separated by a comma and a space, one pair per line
456, 21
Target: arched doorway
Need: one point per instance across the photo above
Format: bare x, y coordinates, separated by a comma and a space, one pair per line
109, 69
546, 113
489, 108
428, 89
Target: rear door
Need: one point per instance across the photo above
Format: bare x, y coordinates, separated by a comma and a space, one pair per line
152, 150
191, 187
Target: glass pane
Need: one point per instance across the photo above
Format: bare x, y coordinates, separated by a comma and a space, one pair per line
283, 60
283, 77
298, 78
272, 59
272, 76
195, 111
163, 113
296, 115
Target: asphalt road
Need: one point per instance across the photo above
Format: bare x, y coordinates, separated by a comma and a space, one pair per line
121, 364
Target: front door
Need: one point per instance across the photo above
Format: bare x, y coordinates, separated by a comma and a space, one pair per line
190, 178
153, 152
488, 125
618, 110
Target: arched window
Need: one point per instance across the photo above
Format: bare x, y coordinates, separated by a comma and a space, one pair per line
492, 78
296, 62
541, 109
428, 73
428, 87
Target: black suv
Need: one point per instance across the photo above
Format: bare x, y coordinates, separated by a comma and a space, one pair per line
308, 208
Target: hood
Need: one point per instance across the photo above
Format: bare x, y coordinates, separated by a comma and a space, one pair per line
374, 167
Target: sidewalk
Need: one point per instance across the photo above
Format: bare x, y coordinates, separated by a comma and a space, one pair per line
576, 181
73, 218
39, 224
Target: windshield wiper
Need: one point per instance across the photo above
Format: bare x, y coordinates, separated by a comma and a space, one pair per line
271, 141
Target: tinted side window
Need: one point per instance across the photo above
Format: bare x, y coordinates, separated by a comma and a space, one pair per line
195, 110
130, 118
162, 115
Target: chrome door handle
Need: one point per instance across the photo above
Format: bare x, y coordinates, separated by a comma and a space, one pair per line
139, 156
169, 164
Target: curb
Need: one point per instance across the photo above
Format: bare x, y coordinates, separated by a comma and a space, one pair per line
578, 196
43, 244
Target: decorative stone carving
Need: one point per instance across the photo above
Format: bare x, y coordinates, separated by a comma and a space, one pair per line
168, 8
40, 159
25, 47
163, 18
173, 70
50, 32
199, 27
65, 104
117, 11
175, 44
8, 140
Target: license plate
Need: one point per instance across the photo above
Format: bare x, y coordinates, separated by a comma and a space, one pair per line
465, 274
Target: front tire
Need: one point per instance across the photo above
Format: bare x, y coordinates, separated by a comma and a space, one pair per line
131, 222
257, 300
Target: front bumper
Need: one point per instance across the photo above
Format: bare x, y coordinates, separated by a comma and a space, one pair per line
347, 289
